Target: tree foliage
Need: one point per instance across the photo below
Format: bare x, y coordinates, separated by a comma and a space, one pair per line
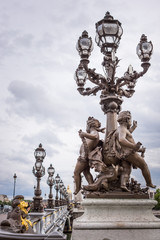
5, 203
157, 198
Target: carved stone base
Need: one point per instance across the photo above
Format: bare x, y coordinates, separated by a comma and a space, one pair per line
116, 194
117, 219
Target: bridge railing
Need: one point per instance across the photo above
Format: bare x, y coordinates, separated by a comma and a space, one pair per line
49, 220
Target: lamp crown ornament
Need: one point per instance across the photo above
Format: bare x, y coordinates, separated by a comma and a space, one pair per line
84, 34
108, 16
14, 176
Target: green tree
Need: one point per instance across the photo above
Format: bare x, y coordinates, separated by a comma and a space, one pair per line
6, 203
157, 198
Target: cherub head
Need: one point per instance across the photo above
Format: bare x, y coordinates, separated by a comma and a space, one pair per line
92, 122
124, 117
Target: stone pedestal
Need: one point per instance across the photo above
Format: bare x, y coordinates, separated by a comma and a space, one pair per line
117, 219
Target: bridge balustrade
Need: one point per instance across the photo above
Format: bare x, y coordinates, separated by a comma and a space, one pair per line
50, 220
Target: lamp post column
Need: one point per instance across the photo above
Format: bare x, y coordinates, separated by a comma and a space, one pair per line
111, 106
56, 199
57, 179
14, 188
61, 192
50, 200
50, 182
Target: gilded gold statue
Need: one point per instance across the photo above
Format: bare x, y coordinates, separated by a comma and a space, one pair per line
17, 219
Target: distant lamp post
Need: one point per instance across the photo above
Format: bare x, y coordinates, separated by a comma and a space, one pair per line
50, 182
38, 171
61, 192
14, 188
64, 194
67, 199
57, 181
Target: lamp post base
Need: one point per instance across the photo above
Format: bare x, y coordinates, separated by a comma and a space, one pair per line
50, 203
37, 204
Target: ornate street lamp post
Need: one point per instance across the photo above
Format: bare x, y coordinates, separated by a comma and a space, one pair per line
64, 194
14, 188
67, 199
114, 158
57, 180
50, 182
38, 172
61, 192
108, 35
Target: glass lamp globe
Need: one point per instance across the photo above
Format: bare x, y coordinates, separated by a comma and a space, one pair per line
40, 153
80, 76
51, 170
144, 49
84, 45
108, 34
38, 165
57, 178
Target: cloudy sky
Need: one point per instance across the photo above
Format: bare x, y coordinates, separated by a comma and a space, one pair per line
38, 97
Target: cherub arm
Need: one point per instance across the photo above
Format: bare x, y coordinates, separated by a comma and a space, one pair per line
124, 142
133, 126
88, 135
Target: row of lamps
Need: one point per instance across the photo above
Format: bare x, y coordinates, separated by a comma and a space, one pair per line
39, 171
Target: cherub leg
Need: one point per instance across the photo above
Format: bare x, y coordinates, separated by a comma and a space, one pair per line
125, 175
139, 162
80, 166
88, 175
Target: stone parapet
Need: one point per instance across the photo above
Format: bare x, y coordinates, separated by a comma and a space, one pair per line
117, 219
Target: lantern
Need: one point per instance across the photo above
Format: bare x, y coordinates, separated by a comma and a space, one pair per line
84, 45
51, 170
80, 76
108, 34
40, 153
144, 49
